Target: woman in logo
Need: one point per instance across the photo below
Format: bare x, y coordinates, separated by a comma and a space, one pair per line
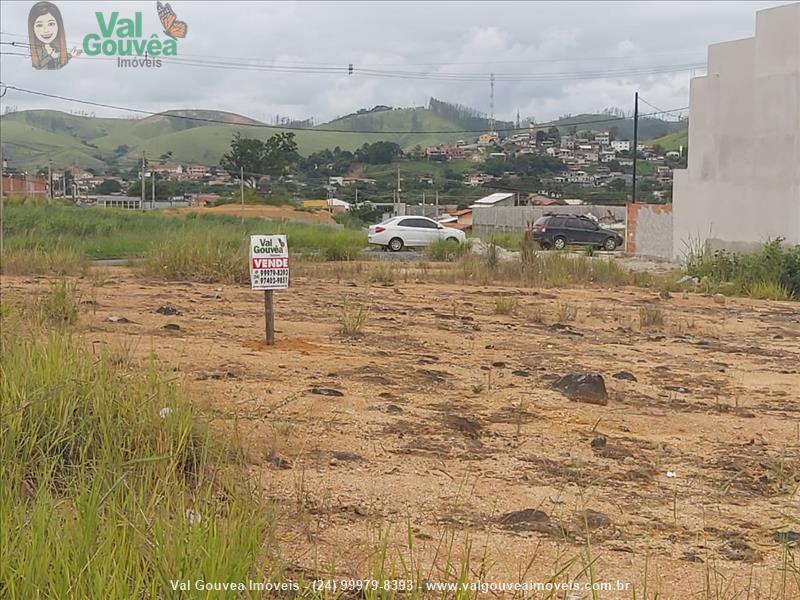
48, 42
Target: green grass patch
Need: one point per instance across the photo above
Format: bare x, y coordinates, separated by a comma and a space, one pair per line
112, 483
446, 250
40, 260
59, 239
507, 240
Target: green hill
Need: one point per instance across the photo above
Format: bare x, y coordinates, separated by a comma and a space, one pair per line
31, 138
673, 141
649, 127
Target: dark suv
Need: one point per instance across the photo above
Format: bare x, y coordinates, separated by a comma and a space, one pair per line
556, 231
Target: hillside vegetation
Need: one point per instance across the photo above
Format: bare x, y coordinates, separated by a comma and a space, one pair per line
673, 141
31, 138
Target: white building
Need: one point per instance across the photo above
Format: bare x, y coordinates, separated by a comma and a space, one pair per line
742, 184
621, 145
602, 138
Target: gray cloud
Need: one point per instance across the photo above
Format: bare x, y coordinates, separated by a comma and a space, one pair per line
436, 37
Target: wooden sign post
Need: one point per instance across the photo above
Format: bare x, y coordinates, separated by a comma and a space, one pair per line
269, 271
269, 317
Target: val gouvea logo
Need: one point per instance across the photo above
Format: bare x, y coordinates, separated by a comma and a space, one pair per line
124, 38
47, 38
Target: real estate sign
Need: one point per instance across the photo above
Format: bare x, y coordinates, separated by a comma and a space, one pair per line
269, 262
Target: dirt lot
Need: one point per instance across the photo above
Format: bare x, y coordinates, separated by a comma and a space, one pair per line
441, 418
260, 210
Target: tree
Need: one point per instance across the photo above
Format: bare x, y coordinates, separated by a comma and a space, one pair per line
109, 186
259, 158
379, 153
617, 185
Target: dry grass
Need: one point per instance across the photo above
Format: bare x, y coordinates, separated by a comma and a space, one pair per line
506, 305
651, 315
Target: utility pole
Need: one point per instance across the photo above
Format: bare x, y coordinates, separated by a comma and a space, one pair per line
423, 204
241, 189
437, 204
635, 143
142, 201
153, 184
50, 179
491, 103
398, 188
2, 203
356, 197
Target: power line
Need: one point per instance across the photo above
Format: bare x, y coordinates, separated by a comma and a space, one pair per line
339, 64
241, 64
315, 130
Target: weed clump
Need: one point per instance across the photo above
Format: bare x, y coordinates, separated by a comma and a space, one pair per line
772, 273
352, 320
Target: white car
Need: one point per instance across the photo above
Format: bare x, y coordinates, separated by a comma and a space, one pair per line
413, 232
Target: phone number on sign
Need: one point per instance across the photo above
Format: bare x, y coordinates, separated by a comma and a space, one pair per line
359, 585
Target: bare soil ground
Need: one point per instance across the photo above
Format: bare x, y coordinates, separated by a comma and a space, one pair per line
441, 419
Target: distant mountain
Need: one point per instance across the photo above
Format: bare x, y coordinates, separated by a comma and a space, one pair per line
31, 138
649, 127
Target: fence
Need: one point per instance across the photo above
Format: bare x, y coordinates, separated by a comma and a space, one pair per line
486, 221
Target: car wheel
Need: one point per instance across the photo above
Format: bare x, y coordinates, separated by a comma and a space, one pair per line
452, 239
559, 243
395, 244
610, 244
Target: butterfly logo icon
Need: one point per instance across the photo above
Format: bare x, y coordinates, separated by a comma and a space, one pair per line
172, 26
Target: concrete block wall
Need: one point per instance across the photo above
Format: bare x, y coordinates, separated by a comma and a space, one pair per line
649, 230
488, 220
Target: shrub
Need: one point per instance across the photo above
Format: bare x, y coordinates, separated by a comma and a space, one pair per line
352, 319
446, 250
773, 272
567, 312
650, 316
505, 305
60, 306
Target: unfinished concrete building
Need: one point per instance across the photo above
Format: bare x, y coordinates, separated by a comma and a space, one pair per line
742, 184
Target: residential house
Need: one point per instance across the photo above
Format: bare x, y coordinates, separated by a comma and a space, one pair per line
621, 145
607, 156
445, 151
579, 177
169, 170
664, 174
78, 174
476, 180
602, 138
494, 200
196, 171
541, 200
458, 219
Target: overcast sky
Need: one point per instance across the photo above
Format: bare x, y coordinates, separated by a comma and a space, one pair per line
568, 38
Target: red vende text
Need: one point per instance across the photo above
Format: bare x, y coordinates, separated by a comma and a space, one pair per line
271, 263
